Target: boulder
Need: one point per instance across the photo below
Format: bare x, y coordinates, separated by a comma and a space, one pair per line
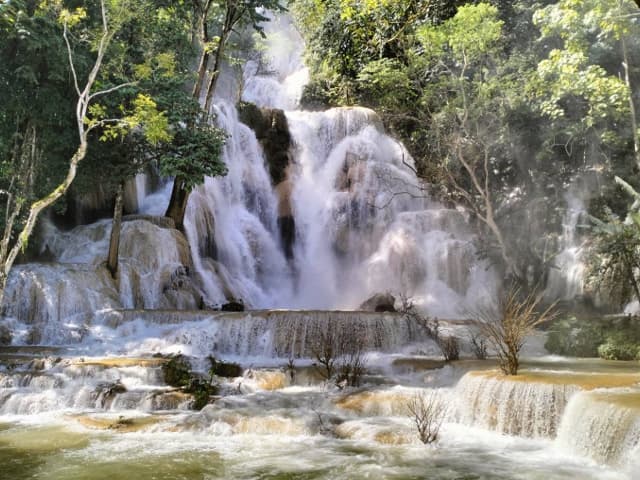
380, 302
5, 335
233, 306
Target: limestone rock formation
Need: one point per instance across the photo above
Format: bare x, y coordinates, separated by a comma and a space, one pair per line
272, 131
380, 302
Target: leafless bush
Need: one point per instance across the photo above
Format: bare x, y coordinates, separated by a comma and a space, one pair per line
325, 353
340, 358
352, 366
478, 344
291, 369
406, 304
427, 412
448, 344
507, 325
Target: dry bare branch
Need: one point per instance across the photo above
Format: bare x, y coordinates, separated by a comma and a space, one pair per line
427, 412
507, 325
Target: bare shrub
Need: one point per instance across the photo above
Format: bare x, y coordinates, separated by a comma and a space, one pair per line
325, 353
340, 358
507, 325
478, 344
290, 369
448, 345
352, 365
427, 412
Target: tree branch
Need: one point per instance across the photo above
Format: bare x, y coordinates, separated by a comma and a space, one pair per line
111, 90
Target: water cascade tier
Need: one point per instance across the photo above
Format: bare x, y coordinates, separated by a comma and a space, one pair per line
589, 419
57, 302
512, 406
604, 425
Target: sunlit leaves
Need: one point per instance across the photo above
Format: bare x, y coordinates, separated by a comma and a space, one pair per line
472, 33
144, 114
72, 17
193, 154
388, 82
569, 74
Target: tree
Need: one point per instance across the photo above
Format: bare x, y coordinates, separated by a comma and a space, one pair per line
572, 74
507, 325
614, 263
88, 117
427, 412
154, 54
461, 49
223, 18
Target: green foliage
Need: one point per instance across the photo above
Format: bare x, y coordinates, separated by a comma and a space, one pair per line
144, 114
615, 257
388, 82
194, 153
202, 392
220, 368
608, 338
580, 84
471, 34
153, 57
177, 373
575, 338
619, 348
36, 97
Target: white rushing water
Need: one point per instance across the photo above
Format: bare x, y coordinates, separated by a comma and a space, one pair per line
85, 407
363, 222
566, 277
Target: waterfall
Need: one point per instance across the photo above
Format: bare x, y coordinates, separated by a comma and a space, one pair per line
231, 224
603, 425
56, 303
362, 222
266, 335
566, 279
512, 405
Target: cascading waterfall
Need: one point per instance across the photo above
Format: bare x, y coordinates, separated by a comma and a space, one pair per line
603, 425
566, 279
262, 335
362, 226
512, 406
362, 222
231, 224
56, 303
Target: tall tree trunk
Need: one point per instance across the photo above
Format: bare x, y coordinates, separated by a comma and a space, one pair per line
116, 227
178, 204
215, 73
232, 16
632, 106
204, 58
8, 257
179, 195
